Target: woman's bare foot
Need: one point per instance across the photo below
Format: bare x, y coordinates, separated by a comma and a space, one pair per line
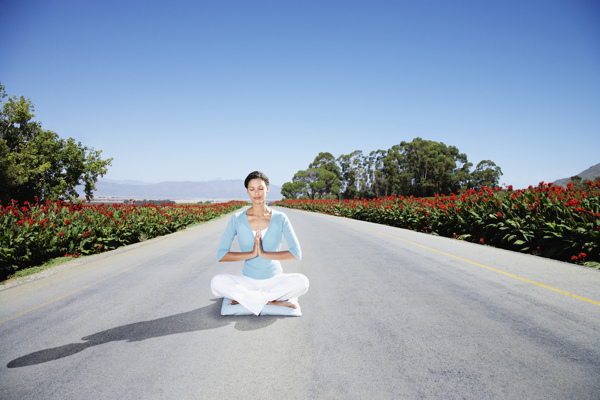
233, 302
282, 303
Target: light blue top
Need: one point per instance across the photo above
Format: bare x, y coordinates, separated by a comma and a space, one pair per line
259, 267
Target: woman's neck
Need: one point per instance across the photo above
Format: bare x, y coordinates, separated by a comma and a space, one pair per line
259, 210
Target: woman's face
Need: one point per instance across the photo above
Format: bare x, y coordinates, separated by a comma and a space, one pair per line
257, 190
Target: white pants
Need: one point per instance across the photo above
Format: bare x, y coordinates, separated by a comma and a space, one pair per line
254, 294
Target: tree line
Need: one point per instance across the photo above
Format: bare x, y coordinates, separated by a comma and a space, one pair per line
421, 168
36, 162
578, 182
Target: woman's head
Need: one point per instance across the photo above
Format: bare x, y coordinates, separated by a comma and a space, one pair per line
256, 175
257, 186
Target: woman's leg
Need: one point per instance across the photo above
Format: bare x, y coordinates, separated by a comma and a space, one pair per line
285, 287
254, 294
241, 289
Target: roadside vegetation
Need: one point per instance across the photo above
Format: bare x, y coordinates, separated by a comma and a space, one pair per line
420, 168
33, 233
547, 220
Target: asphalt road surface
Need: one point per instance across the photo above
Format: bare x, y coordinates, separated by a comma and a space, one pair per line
390, 314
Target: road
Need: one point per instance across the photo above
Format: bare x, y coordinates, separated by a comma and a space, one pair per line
390, 314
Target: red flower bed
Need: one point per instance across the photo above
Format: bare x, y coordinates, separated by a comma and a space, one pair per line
546, 220
31, 234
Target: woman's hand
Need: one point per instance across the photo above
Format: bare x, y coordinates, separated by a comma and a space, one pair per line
257, 250
243, 256
272, 255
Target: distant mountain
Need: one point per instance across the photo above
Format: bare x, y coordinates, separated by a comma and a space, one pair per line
589, 174
194, 191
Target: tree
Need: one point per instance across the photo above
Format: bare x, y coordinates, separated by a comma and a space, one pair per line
417, 168
353, 179
309, 181
395, 180
313, 183
294, 190
378, 181
328, 162
330, 188
431, 165
487, 174
37, 162
462, 176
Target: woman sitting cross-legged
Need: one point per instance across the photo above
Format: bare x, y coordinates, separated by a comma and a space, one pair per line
259, 231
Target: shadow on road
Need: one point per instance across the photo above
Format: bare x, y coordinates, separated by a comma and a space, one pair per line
208, 317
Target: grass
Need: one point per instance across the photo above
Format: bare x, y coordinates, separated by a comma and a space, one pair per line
34, 270
592, 264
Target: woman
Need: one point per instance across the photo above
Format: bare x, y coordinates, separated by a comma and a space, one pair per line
259, 231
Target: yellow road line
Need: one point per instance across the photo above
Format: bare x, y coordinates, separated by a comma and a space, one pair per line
484, 266
91, 284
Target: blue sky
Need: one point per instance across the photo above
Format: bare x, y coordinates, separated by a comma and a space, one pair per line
203, 90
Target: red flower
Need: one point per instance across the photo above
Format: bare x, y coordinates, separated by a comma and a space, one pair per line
499, 215
61, 234
481, 240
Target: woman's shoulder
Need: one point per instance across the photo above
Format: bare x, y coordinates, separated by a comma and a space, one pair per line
276, 212
236, 216
278, 215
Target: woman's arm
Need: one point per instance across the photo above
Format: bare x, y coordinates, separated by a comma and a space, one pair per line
244, 255
277, 255
258, 251
238, 256
274, 255
291, 239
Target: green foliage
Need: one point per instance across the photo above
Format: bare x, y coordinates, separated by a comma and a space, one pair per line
547, 220
34, 270
353, 178
37, 162
431, 165
320, 181
486, 174
327, 162
295, 189
418, 168
31, 234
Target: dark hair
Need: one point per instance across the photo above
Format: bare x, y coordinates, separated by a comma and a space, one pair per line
256, 175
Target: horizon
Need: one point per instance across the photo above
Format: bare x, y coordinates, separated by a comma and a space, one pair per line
186, 91
133, 182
